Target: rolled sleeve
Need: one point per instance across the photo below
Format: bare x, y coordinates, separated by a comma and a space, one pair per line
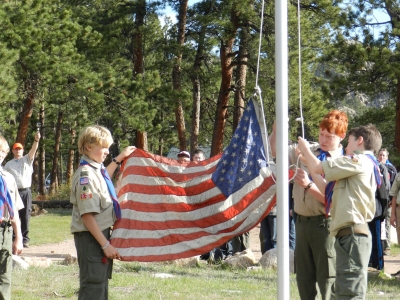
342, 167
394, 190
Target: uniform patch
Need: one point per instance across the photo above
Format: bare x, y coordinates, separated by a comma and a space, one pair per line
355, 158
86, 196
84, 173
84, 180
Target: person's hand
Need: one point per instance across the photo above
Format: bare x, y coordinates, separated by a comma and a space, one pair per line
301, 156
301, 178
37, 136
302, 145
127, 151
111, 252
17, 246
393, 220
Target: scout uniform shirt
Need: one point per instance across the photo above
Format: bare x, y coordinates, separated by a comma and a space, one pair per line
89, 194
353, 200
395, 189
304, 203
22, 170
13, 189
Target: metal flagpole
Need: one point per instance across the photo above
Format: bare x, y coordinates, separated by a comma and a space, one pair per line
281, 96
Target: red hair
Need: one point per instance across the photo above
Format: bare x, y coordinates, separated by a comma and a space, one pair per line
335, 121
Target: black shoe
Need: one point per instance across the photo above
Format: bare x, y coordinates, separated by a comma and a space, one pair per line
396, 274
26, 245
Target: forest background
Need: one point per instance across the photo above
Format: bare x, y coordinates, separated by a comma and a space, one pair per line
158, 82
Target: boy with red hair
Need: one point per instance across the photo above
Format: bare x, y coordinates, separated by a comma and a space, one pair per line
315, 261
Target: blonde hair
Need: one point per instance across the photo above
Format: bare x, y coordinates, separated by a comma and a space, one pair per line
94, 135
4, 144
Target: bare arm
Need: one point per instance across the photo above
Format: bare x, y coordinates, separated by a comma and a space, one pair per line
17, 243
94, 229
313, 163
35, 145
303, 180
393, 219
272, 140
125, 153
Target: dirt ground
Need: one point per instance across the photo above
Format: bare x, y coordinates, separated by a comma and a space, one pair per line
58, 251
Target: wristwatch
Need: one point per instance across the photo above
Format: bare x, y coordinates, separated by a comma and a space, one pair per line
117, 162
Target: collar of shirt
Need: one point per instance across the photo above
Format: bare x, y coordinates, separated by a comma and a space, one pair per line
91, 162
334, 153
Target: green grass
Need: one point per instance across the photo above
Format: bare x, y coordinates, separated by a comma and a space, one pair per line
52, 227
394, 249
137, 280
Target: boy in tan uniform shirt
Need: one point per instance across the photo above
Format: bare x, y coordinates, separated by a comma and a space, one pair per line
95, 209
353, 205
8, 224
315, 261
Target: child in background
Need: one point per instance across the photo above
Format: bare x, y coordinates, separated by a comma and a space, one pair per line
10, 204
95, 209
353, 206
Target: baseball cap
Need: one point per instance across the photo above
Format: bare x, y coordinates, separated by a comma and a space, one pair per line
184, 153
17, 146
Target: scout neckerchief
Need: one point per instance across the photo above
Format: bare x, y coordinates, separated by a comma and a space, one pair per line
110, 187
323, 155
5, 199
376, 169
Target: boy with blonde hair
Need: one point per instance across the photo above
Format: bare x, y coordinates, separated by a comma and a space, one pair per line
10, 204
356, 178
95, 209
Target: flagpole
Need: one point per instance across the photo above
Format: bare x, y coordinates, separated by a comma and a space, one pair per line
281, 96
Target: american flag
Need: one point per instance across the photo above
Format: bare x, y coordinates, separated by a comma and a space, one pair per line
172, 210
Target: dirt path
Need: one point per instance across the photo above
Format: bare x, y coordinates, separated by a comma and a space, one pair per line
58, 251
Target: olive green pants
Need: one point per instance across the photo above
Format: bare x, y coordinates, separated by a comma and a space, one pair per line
5, 262
315, 258
241, 242
353, 253
94, 268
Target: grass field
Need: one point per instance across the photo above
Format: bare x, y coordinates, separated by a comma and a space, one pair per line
140, 280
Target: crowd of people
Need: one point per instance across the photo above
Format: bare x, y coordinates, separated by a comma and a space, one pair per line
335, 199
343, 202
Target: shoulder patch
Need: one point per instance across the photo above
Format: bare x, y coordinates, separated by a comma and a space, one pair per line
84, 180
84, 173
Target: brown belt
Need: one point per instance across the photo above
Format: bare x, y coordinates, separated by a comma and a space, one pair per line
357, 228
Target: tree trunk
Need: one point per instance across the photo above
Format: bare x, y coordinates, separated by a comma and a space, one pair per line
71, 154
56, 153
194, 137
225, 88
26, 113
241, 71
141, 140
160, 145
176, 75
41, 155
138, 62
397, 129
